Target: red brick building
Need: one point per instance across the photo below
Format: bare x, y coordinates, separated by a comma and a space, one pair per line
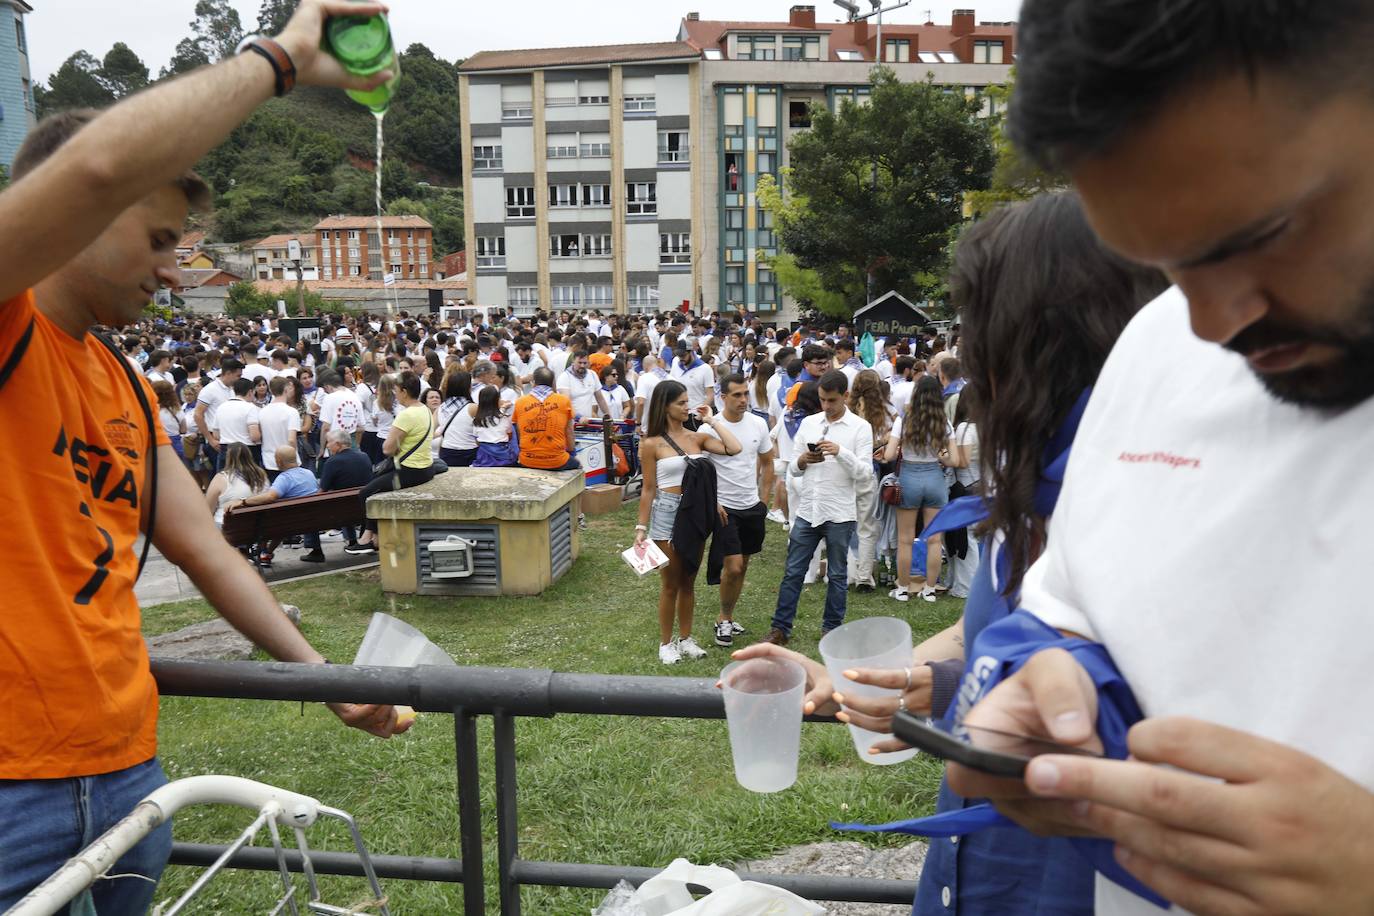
349, 246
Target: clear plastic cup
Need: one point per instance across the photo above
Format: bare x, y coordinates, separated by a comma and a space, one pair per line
763, 709
874, 642
394, 643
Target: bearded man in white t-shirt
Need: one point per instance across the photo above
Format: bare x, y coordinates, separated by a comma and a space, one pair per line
1223, 460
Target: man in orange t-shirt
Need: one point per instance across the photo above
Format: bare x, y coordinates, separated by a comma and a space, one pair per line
544, 421
88, 232
603, 356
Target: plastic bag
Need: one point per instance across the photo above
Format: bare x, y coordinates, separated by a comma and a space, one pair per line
666, 894
868, 350
620, 902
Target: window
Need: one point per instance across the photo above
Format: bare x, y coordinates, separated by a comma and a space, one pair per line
596, 246
734, 285
566, 295
355, 270
424, 271
594, 100
325, 235
849, 55
486, 157
643, 295
673, 146
562, 146
520, 202
768, 113
800, 47
988, 52
19, 34
675, 248
396, 270
565, 246
423, 242
353, 235
756, 47
515, 111
598, 294
596, 195
353, 254
491, 251
734, 113
596, 150
641, 197
522, 296
734, 168
798, 114
562, 195
639, 103
767, 163
897, 50
559, 95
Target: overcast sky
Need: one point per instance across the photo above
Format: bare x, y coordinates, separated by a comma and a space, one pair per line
451, 28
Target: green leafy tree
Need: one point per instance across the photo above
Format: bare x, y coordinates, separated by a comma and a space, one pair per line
189, 55
446, 214
76, 84
273, 15
4, 176
397, 180
215, 33
122, 72
1014, 177
879, 188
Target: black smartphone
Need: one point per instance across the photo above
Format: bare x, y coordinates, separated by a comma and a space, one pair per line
813, 446
983, 749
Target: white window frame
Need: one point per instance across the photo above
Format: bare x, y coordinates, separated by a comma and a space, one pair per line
565, 296
684, 151
643, 296
640, 103
354, 253
675, 248
486, 157
563, 151
593, 100
596, 246
595, 150
556, 246
520, 202
491, 251
353, 235
563, 196
641, 198
598, 294
596, 195
522, 296
516, 111
355, 270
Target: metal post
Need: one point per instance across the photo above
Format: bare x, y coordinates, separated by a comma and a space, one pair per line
469, 811
507, 823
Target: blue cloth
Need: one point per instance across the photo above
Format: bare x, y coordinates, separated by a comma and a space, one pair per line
923, 485
44, 822
954, 387
496, 455
801, 546
295, 482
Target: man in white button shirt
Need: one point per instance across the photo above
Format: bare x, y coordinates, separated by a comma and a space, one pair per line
834, 451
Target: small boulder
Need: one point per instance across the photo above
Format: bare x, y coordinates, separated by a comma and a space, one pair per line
213, 639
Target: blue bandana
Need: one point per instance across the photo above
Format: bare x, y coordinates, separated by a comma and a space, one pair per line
541, 392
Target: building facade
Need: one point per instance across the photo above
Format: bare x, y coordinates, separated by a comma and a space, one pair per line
625, 177
16, 83
350, 247
272, 261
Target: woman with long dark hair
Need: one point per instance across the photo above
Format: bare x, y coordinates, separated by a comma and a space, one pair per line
170, 416
758, 391
866, 400
407, 444
457, 442
665, 452
366, 391
492, 427
921, 437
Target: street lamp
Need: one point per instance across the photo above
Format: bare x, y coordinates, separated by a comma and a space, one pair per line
878, 9
850, 8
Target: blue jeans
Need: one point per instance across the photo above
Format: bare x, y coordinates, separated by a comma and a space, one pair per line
44, 822
801, 545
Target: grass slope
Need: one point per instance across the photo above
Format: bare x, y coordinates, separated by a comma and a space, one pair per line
633, 791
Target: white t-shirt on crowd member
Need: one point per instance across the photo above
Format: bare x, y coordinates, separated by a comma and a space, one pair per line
923, 456
212, 395
581, 391
966, 437
233, 419
341, 409
697, 381
278, 421
900, 396
256, 371
558, 361
737, 476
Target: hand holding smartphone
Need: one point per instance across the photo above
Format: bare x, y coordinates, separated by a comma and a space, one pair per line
983, 749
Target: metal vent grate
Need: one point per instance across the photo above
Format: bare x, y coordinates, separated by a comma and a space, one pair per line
560, 541
486, 560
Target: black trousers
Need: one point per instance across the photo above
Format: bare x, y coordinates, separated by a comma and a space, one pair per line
400, 479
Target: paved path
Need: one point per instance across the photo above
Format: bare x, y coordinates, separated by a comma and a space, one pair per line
162, 582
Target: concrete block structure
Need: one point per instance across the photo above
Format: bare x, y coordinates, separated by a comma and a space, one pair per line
625, 177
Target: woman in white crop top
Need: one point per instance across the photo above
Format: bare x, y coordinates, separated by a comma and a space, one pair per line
666, 448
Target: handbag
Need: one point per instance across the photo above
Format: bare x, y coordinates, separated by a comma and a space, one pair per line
890, 491
387, 465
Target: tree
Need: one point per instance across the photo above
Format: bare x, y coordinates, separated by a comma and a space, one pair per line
76, 84
122, 72
273, 15
877, 187
189, 55
4, 176
215, 33
397, 180
1014, 177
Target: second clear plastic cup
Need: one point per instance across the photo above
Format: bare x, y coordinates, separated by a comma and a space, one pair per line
763, 709
396, 644
874, 642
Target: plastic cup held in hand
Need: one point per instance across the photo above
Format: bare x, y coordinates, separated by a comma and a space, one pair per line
394, 643
874, 642
763, 709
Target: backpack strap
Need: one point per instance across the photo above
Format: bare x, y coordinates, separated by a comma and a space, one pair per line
17, 355
148, 415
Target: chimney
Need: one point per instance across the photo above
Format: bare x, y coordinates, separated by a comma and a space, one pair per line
802, 17
693, 17
963, 24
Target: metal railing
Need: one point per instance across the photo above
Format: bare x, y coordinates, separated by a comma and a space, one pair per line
467, 693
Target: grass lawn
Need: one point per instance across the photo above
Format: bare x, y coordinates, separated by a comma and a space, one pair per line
617, 790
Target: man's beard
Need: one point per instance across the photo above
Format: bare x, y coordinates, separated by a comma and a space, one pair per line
1344, 382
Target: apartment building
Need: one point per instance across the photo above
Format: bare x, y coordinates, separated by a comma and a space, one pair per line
16, 83
625, 177
350, 246
272, 258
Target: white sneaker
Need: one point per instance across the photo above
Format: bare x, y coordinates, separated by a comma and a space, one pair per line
735, 628
687, 648
775, 515
668, 653
899, 594
928, 594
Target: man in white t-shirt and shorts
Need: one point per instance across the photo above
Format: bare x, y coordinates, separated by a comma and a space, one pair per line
740, 478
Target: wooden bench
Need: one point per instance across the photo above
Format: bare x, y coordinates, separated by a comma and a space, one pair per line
275, 521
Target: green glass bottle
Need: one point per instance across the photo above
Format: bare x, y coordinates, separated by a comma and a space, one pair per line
363, 45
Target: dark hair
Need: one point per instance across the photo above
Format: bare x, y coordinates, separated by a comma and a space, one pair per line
812, 352
1042, 303
50, 133
542, 376
835, 382
923, 427
409, 382
243, 386
158, 356
845, 343
488, 407
1088, 70
665, 393
328, 378
607, 369
762, 373
734, 378
951, 369
277, 386
458, 384
229, 364
808, 399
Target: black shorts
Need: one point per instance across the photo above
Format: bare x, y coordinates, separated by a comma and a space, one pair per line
743, 536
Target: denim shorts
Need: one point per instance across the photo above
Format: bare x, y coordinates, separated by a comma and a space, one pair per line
923, 485
662, 514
